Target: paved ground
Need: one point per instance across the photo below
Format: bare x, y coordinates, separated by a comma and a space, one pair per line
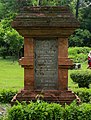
3, 109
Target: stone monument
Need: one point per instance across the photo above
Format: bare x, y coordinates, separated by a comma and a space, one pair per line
45, 62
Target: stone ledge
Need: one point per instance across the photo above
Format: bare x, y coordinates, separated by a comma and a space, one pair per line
56, 96
27, 62
65, 63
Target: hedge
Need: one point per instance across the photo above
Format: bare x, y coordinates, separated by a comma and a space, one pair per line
84, 94
83, 78
45, 111
6, 96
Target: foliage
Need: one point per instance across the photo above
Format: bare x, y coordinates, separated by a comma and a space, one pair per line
71, 112
39, 110
3, 52
8, 8
45, 2
85, 18
78, 54
84, 112
81, 112
6, 96
15, 42
80, 38
11, 41
44, 111
16, 113
84, 94
83, 78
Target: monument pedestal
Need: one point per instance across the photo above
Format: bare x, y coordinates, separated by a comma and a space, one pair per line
57, 96
45, 62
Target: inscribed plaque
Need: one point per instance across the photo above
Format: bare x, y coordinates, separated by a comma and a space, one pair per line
46, 64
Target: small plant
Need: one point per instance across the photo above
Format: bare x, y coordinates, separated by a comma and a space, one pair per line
83, 78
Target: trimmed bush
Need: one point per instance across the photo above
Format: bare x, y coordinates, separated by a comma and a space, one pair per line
81, 112
39, 111
6, 96
3, 52
53, 111
84, 94
83, 78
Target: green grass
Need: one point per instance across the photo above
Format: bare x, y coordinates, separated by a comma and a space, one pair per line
11, 75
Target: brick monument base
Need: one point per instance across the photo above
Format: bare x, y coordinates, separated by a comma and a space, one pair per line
45, 62
56, 96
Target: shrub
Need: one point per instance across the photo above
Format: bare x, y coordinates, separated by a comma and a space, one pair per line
41, 111
84, 112
3, 52
79, 54
83, 78
53, 111
84, 94
81, 112
7, 95
71, 112
16, 113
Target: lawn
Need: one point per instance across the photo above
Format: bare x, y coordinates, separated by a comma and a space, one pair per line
11, 75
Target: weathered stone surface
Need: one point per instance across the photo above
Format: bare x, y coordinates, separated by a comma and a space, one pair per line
45, 17
45, 22
58, 96
2, 110
46, 63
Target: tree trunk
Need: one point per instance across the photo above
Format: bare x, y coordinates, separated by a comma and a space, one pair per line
40, 2
77, 8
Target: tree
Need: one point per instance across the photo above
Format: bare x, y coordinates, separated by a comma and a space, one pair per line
40, 2
86, 18
15, 42
10, 40
44, 2
3, 45
8, 7
80, 38
77, 8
